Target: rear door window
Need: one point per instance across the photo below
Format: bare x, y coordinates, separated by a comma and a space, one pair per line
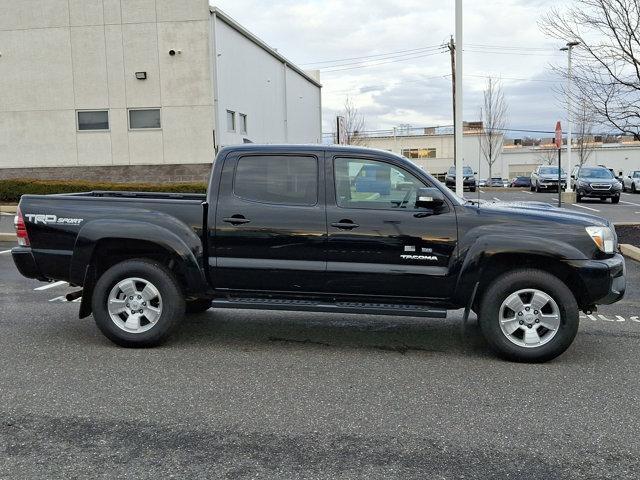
277, 179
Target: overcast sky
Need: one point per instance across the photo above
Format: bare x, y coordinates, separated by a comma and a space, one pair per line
407, 79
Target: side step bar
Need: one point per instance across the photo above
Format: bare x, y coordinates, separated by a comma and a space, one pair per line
329, 307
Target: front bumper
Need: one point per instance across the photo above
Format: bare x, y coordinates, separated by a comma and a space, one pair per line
26, 263
547, 185
592, 192
604, 280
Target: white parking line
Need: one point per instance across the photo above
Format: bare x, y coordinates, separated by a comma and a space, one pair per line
630, 203
626, 193
481, 191
59, 299
530, 193
4, 251
51, 285
587, 208
496, 199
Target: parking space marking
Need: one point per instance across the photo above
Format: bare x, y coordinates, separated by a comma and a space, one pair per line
630, 203
496, 199
610, 318
51, 285
4, 251
530, 193
481, 191
587, 208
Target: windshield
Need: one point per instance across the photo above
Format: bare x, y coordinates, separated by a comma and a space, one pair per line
550, 170
595, 173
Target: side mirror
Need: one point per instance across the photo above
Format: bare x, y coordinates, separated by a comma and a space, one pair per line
475, 173
429, 198
573, 176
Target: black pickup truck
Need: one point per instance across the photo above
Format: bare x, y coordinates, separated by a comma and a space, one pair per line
323, 229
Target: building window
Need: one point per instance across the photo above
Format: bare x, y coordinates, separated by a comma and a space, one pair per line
148, 118
231, 121
93, 120
419, 152
243, 123
280, 180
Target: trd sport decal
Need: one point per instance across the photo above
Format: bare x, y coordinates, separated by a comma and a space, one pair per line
52, 219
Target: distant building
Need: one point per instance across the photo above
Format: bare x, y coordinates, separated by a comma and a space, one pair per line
432, 149
107, 86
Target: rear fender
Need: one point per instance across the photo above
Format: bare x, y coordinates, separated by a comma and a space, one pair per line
179, 240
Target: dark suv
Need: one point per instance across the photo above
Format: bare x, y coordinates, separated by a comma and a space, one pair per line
468, 181
596, 182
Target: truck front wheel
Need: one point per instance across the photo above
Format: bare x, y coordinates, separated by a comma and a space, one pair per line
137, 303
528, 316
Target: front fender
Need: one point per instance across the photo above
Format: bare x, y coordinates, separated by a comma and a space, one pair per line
174, 237
480, 252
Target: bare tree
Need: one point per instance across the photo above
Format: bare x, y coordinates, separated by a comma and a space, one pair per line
584, 132
493, 114
548, 156
354, 123
607, 60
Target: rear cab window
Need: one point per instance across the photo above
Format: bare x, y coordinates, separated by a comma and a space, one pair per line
277, 179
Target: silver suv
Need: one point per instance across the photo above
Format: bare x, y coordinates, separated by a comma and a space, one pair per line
545, 177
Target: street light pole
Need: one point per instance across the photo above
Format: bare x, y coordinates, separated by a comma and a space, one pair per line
457, 116
568, 49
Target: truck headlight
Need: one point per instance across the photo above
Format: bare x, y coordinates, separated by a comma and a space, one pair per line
603, 237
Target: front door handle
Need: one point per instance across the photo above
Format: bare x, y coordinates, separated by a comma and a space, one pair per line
345, 224
236, 220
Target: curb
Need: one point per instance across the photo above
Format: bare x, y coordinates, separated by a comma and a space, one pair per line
8, 237
8, 208
630, 251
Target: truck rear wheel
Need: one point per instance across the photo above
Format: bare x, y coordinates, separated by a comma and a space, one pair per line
137, 303
528, 316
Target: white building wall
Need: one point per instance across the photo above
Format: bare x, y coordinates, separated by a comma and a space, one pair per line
251, 82
304, 116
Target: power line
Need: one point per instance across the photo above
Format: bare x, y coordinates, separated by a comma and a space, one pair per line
431, 47
368, 65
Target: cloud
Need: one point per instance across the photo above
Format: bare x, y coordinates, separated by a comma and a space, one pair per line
501, 39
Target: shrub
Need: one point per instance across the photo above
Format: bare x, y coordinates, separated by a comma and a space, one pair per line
12, 190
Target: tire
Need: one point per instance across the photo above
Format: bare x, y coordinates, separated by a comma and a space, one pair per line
531, 187
624, 188
550, 346
578, 198
472, 189
198, 306
615, 199
537, 188
633, 188
165, 309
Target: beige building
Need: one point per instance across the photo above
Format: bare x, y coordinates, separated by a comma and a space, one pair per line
99, 83
433, 151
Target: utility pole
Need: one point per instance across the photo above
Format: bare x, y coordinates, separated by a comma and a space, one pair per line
452, 52
568, 49
457, 116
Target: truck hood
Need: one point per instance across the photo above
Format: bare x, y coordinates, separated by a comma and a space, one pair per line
544, 212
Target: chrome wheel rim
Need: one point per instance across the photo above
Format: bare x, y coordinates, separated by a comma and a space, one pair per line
134, 305
529, 318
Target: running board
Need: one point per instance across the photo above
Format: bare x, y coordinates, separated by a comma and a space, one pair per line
329, 307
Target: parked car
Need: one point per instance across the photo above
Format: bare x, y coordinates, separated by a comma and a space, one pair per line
597, 182
521, 182
545, 177
495, 182
631, 181
468, 181
482, 183
284, 227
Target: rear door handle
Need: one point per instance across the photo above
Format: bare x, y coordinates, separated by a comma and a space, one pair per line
345, 224
236, 220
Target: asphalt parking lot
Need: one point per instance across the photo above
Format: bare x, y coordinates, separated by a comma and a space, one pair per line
628, 210
248, 394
